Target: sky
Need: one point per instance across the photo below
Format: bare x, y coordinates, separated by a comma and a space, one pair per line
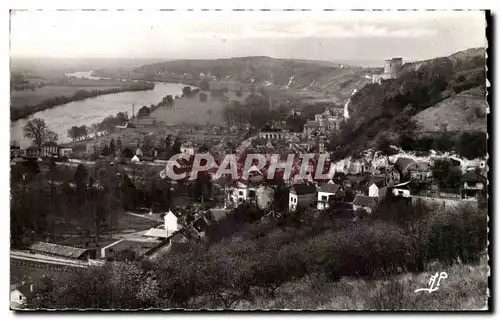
318, 35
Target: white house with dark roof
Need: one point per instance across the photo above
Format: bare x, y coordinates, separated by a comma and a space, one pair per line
402, 190
325, 193
19, 295
301, 195
472, 185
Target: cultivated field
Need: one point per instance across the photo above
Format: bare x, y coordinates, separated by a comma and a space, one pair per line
23, 98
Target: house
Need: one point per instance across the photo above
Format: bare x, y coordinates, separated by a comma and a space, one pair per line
255, 175
200, 225
54, 249
362, 202
392, 176
172, 223
402, 190
420, 171
139, 152
153, 152
403, 166
301, 195
311, 129
65, 152
271, 133
240, 193
377, 187
15, 150
135, 159
354, 182
188, 148
32, 152
49, 149
127, 153
326, 193
19, 295
472, 186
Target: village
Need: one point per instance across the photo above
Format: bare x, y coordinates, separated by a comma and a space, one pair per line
355, 185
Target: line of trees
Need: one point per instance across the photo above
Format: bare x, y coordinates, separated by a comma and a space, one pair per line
107, 125
19, 113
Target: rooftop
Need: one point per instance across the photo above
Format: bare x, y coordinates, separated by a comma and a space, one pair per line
473, 176
364, 201
57, 249
303, 188
329, 188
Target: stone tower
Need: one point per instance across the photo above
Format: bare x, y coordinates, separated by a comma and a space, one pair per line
392, 66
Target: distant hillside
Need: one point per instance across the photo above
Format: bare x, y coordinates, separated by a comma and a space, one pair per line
465, 111
333, 79
388, 108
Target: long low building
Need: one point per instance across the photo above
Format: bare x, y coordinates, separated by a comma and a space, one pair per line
42, 261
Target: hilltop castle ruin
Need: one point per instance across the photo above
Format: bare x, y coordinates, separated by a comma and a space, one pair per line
391, 69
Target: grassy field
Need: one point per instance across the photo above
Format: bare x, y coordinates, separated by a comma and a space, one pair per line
464, 289
23, 98
465, 111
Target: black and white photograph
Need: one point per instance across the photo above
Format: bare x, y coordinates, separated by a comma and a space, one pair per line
250, 160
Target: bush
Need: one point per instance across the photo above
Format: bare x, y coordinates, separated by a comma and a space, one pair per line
459, 234
369, 250
203, 97
472, 145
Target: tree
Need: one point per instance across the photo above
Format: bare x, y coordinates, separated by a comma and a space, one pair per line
209, 112
186, 91
52, 136
176, 147
36, 129
121, 118
81, 174
204, 85
112, 146
472, 145
94, 128
119, 144
143, 112
170, 101
73, 133
446, 174
203, 97
84, 132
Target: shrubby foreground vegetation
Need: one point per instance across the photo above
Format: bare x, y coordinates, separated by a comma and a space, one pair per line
303, 260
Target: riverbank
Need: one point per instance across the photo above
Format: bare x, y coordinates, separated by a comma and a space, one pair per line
80, 94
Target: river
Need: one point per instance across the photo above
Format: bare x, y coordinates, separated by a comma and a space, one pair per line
93, 110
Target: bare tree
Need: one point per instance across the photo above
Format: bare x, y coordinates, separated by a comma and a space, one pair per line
36, 130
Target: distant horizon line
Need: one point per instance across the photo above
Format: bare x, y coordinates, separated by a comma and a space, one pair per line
160, 59
235, 57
